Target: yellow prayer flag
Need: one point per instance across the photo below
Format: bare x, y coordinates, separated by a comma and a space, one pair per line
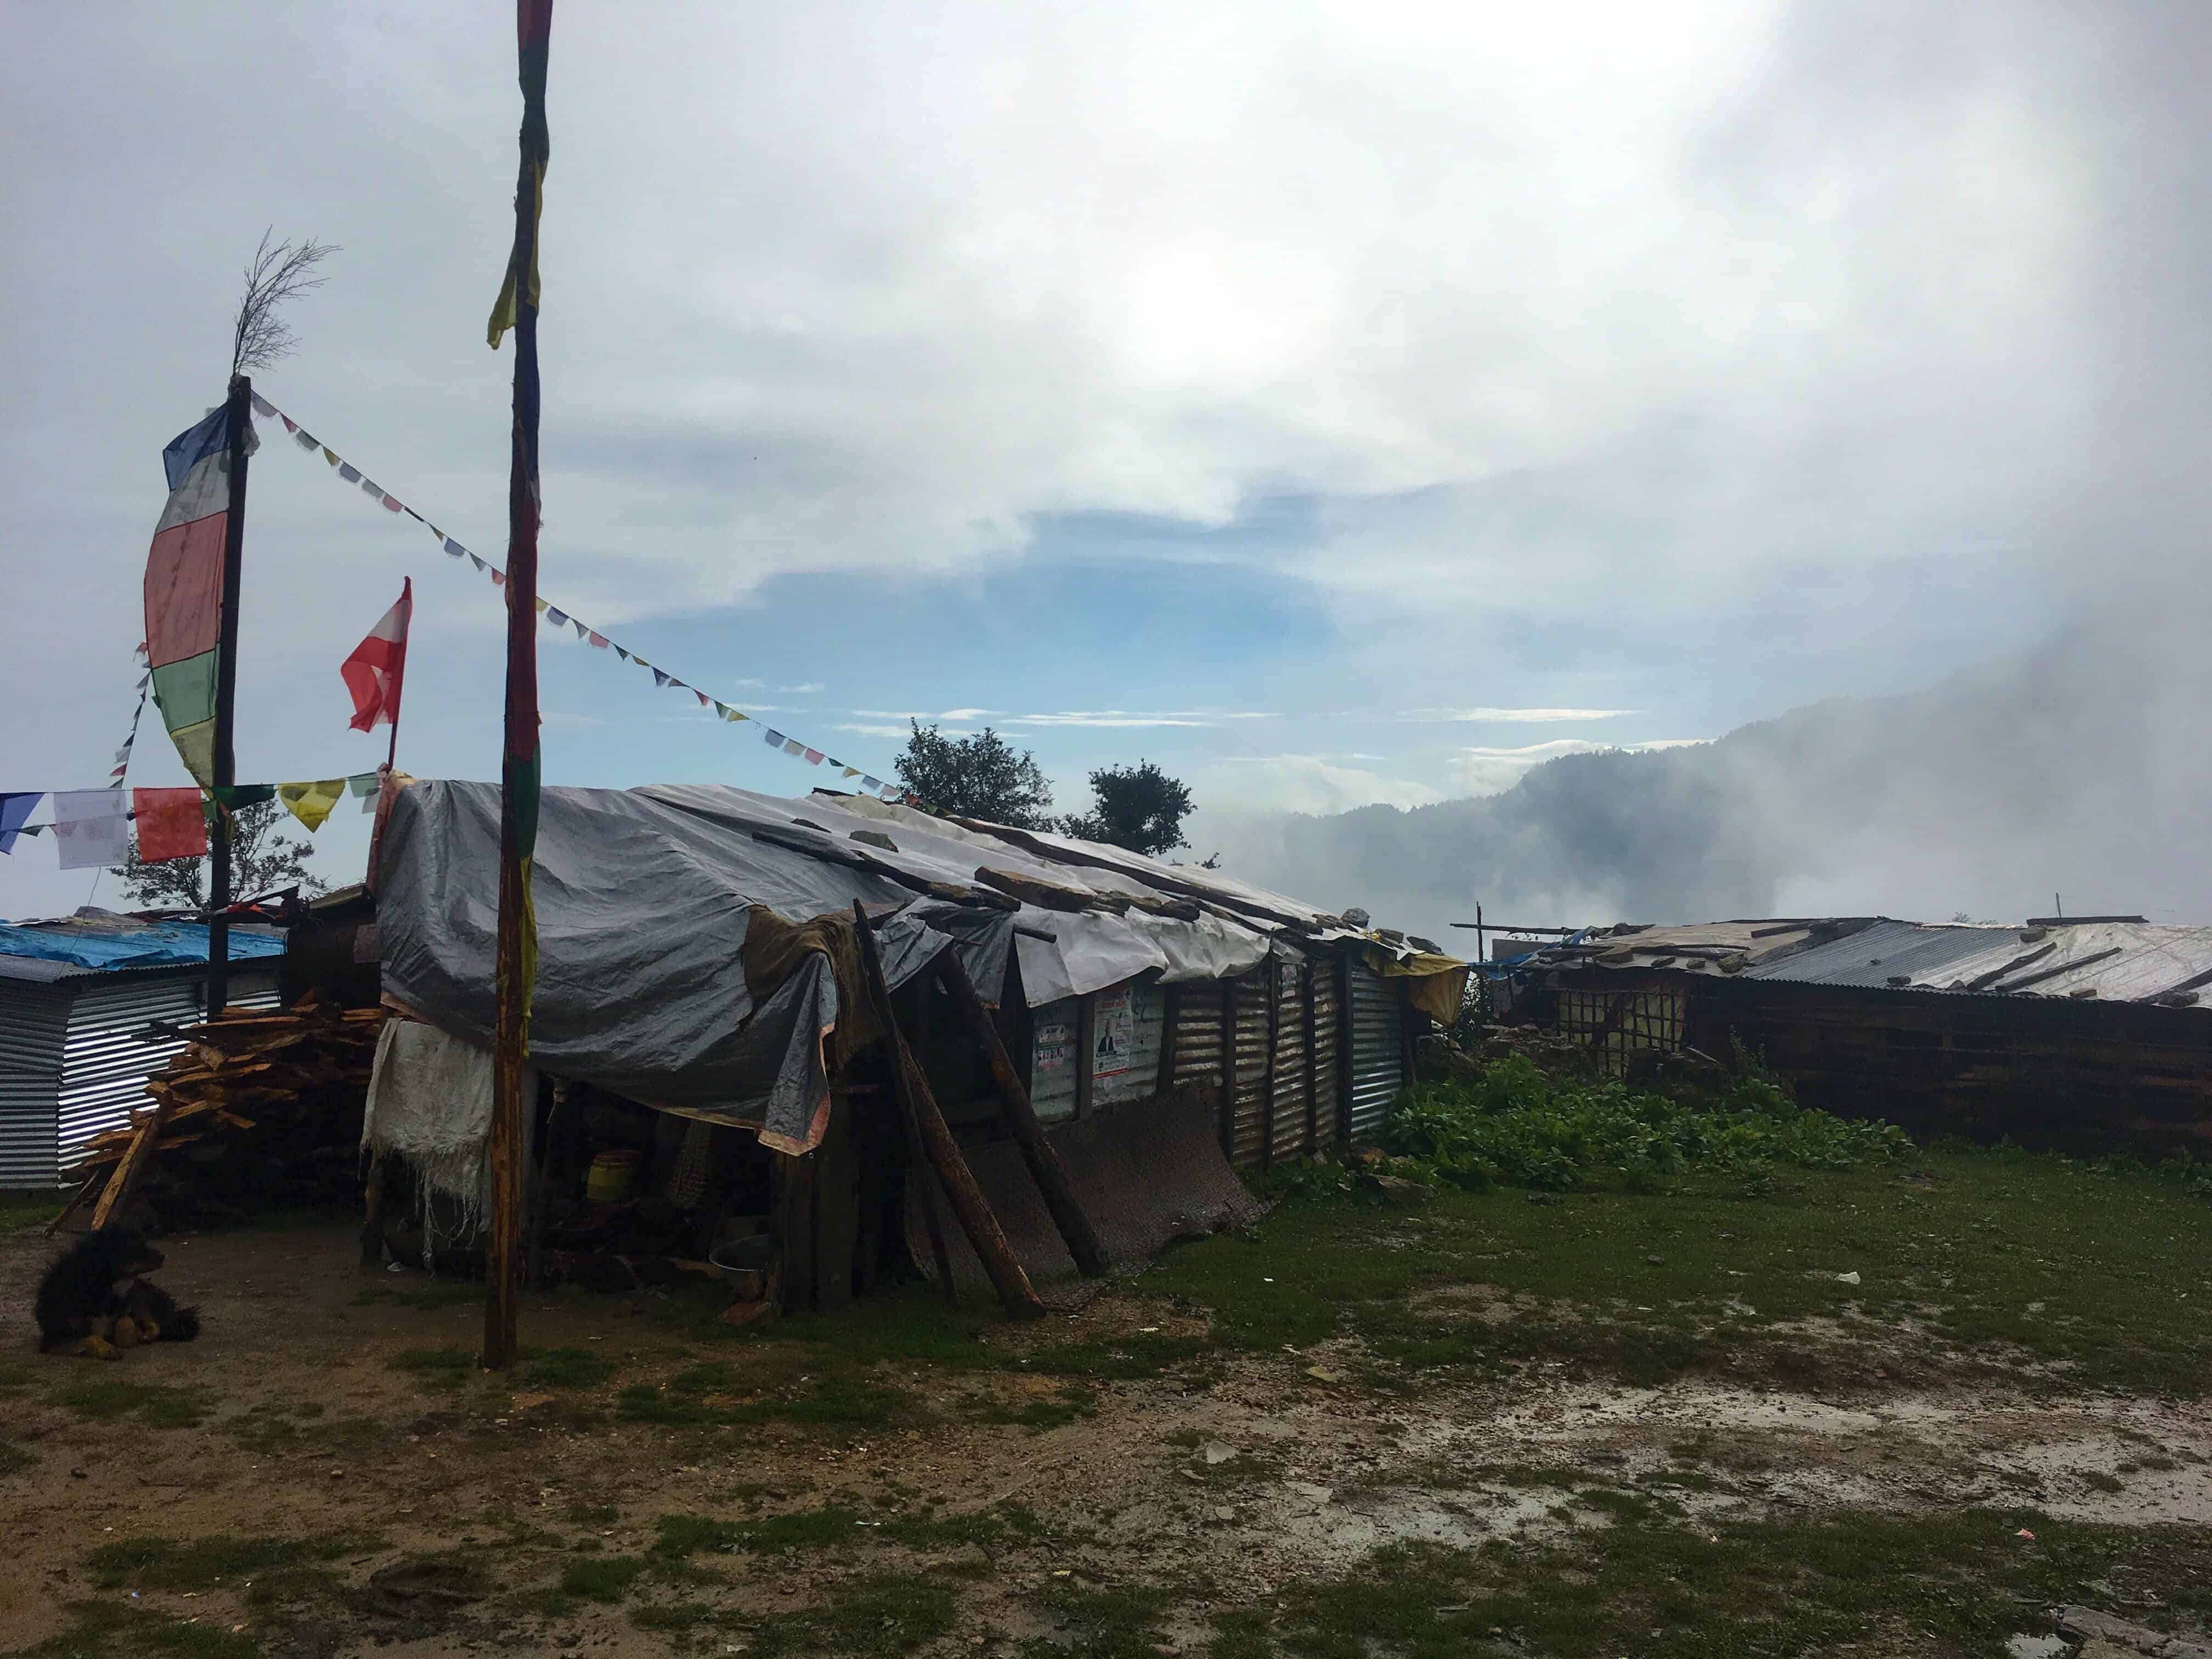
732, 714
329, 455
311, 803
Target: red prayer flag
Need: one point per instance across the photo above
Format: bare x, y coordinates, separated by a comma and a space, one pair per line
378, 663
170, 824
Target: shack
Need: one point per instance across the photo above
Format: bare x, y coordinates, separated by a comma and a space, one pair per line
91, 1005
2087, 1035
710, 1057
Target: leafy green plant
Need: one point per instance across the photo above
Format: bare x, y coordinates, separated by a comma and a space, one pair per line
1512, 1125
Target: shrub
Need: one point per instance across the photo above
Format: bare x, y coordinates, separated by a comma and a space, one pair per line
1513, 1126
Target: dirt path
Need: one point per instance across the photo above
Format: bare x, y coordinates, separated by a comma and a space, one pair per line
293, 1419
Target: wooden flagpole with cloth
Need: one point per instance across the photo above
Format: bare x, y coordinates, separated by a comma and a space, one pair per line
376, 673
519, 769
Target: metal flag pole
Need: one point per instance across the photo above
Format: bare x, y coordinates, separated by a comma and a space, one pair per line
517, 307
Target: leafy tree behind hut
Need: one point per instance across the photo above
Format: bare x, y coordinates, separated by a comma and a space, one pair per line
1139, 807
983, 776
261, 861
978, 777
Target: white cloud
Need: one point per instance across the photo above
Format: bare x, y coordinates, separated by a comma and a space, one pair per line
1478, 770
1254, 785
1515, 716
1111, 718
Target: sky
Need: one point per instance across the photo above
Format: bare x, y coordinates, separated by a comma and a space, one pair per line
1338, 404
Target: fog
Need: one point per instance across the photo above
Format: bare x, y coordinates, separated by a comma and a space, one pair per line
2073, 773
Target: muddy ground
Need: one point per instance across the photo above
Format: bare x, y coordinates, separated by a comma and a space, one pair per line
365, 1490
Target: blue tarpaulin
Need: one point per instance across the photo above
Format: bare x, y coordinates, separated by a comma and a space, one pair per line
147, 945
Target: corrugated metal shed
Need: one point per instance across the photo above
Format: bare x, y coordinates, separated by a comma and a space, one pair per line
74, 1047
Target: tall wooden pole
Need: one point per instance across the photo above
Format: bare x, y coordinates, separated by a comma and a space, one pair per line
225, 760
517, 307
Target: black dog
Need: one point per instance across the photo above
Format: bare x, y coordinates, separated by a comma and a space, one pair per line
94, 1301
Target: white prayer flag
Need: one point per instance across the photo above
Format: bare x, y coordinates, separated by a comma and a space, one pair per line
92, 827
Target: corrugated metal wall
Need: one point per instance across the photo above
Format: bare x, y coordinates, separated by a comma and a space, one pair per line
1126, 1066
1198, 1033
1249, 1108
1321, 976
1053, 1055
110, 1056
1291, 1078
34, 1020
1378, 1066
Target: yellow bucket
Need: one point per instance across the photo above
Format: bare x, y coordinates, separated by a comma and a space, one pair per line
613, 1175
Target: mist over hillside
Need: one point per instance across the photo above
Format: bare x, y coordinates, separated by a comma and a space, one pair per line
2076, 768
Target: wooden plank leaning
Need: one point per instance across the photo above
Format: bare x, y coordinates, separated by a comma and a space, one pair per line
134, 1160
1045, 1167
968, 1205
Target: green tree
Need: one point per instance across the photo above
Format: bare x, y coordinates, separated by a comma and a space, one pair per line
1139, 807
261, 860
978, 777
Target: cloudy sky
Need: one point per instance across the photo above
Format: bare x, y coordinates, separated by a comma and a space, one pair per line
1337, 403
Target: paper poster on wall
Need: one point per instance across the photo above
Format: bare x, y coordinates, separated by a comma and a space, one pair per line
1056, 1046
1116, 1048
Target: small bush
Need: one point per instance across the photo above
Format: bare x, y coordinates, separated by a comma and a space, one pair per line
1514, 1126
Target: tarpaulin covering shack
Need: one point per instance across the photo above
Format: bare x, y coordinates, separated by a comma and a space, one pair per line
696, 955
666, 971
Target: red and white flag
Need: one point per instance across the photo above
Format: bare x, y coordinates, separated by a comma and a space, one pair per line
374, 671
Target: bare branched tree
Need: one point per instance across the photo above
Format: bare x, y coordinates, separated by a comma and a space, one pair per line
259, 337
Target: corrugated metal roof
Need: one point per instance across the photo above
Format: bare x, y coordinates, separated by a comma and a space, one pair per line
2114, 961
1886, 952
45, 951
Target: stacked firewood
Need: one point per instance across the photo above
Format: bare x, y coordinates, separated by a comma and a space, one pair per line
292, 1077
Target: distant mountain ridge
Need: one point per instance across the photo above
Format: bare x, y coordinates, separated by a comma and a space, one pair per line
2077, 767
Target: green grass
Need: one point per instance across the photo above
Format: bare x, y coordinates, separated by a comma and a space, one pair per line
562, 1368
20, 1211
1996, 1254
832, 1401
1036, 1414
1951, 1584
13, 1458
593, 1515
601, 1577
160, 1407
835, 1527
448, 1367
409, 1291
201, 1562
102, 1630
879, 1614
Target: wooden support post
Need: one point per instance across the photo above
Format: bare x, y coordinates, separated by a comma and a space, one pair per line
942, 1153
1086, 1043
1229, 1070
541, 1194
223, 760
86, 1190
1306, 972
128, 1167
1343, 1051
1274, 970
372, 1204
1171, 1017
1045, 1167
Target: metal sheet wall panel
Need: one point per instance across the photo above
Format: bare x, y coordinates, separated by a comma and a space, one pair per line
1326, 1048
1198, 1033
110, 1053
33, 1027
1126, 1065
1250, 1109
1378, 1066
1291, 1079
1052, 1057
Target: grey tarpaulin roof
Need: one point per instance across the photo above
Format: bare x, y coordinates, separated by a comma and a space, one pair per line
642, 910
1878, 954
